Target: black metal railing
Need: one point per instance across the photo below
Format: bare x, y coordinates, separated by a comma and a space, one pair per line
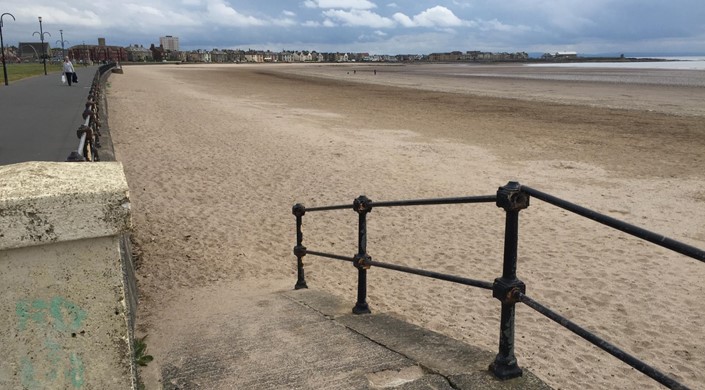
508, 289
89, 131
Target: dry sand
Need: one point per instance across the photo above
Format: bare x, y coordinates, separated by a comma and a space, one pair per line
216, 156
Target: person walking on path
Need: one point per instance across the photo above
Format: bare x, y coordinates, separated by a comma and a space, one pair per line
69, 71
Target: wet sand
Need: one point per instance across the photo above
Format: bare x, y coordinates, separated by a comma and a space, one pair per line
215, 157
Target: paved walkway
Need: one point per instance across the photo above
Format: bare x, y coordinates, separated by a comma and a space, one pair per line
40, 116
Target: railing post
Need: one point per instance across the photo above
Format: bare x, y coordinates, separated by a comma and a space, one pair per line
362, 205
512, 200
299, 250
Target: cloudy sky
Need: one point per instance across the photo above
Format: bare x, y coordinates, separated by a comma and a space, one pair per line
376, 26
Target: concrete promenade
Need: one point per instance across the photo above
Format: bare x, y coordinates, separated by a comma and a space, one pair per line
40, 116
308, 339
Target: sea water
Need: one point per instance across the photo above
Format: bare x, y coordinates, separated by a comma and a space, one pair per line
673, 63
683, 72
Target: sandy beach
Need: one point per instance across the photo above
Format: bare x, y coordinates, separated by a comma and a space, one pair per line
216, 155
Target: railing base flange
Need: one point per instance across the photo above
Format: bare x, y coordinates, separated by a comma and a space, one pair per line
361, 309
300, 285
504, 371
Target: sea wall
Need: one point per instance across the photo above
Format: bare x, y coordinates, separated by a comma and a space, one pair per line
64, 305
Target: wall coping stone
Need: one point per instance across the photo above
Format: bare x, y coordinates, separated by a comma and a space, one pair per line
48, 202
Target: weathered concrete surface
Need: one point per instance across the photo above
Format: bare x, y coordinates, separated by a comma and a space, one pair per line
63, 307
43, 202
308, 340
270, 342
63, 315
462, 365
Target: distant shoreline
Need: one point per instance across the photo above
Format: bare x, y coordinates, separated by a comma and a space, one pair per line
530, 61
667, 91
606, 59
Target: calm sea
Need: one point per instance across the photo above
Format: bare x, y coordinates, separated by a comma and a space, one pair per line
675, 63
683, 71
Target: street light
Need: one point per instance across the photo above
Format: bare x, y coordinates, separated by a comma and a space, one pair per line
62, 41
41, 37
2, 47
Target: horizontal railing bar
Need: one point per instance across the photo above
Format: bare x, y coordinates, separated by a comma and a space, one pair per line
636, 231
602, 344
330, 256
438, 201
415, 202
82, 141
328, 208
86, 122
409, 270
81, 144
434, 275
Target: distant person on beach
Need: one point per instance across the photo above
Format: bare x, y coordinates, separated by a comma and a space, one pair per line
69, 71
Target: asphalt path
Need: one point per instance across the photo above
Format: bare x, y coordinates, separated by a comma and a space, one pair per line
39, 117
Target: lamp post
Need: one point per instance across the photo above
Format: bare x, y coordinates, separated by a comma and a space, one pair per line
41, 37
62, 41
2, 47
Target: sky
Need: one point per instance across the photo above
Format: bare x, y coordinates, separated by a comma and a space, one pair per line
632, 27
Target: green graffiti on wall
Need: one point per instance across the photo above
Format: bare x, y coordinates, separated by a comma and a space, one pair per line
52, 318
59, 314
75, 372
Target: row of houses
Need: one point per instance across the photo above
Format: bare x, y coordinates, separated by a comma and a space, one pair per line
86, 53
477, 56
138, 53
37, 51
222, 56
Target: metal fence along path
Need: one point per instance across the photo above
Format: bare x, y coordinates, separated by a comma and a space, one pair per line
89, 132
507, 288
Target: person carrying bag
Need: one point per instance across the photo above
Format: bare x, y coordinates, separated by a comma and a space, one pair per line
69, 72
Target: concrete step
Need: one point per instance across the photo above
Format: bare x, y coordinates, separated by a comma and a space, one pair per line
308, 339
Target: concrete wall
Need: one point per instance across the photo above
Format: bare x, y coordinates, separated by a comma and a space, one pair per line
64, 311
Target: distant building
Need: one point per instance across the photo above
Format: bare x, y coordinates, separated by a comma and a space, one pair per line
477, 56
57, 54
198, 56
169, 43
138, 53
566, 54
33, 50
254, 56
219, 56
97, 53
158, 53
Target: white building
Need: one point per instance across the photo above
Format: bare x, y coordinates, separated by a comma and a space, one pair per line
169, 43
566, 54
